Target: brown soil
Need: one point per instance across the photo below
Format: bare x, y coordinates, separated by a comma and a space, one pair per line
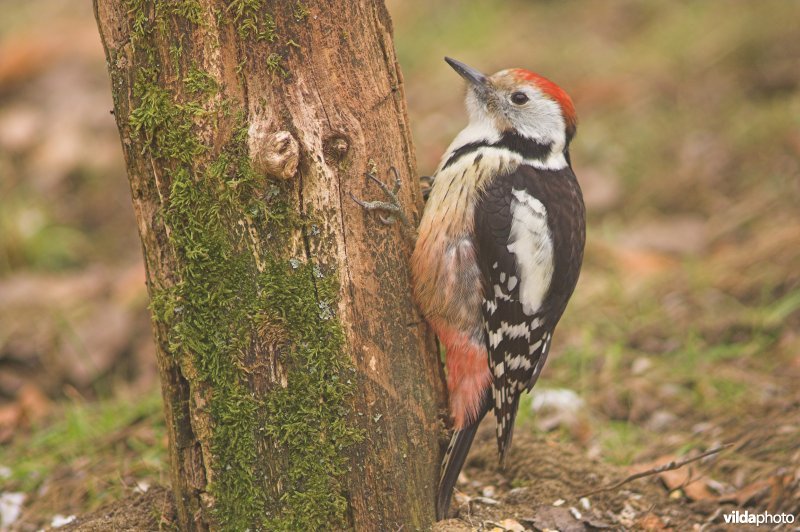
152, 510
541, 489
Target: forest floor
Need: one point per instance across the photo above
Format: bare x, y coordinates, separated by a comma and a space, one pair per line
683, 335
547, 484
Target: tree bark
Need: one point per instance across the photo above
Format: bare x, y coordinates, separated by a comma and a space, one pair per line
302, 389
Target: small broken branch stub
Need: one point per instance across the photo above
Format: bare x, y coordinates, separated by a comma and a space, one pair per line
274, 154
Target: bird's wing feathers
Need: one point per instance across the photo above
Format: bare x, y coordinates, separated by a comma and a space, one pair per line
520, 225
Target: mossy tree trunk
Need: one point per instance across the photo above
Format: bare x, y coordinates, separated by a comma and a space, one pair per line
302, 390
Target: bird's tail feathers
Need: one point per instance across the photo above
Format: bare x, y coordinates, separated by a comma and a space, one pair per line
455, 456
505, 434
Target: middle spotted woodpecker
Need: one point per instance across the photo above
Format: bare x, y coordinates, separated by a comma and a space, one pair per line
499, 250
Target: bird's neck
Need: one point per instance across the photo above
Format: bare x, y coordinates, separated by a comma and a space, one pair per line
509, 146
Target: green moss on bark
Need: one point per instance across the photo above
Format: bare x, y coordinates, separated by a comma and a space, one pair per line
208, 311
190, 10
213, 328
149, 14
300, 11
225, 290
310, 416
200, 83
275, 65
165, 128
252, 20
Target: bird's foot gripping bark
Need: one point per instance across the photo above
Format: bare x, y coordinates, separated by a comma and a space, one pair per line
392, 207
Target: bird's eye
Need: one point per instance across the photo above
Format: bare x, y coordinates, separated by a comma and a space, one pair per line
519, 98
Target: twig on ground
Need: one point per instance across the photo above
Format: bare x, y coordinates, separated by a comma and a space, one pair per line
708, 522
669, 466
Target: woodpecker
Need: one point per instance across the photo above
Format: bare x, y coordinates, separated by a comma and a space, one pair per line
499, 250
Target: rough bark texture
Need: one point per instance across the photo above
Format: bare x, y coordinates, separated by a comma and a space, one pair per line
302, 389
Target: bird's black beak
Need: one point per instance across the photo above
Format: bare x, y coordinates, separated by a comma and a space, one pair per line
475, 78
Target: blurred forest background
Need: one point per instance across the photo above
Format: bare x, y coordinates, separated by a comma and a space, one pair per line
684, 332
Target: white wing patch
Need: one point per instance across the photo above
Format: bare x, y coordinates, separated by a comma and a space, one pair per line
532, 245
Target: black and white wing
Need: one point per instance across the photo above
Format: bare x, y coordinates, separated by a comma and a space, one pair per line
529, 229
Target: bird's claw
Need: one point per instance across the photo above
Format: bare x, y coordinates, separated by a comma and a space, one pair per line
379, 206
392, 206
397, 182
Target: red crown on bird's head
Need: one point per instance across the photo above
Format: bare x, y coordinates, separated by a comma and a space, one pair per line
550, 89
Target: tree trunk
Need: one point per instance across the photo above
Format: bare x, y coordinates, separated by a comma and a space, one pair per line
302, 389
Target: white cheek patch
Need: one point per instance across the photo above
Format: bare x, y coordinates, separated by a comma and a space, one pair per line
541, 119
532, 245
